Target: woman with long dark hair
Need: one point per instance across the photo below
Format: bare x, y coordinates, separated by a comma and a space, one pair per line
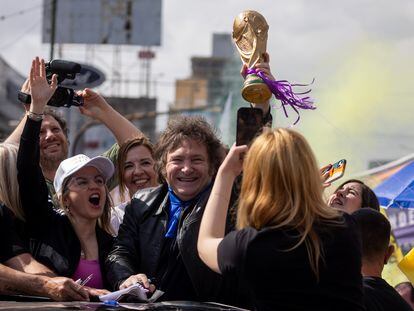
352, 195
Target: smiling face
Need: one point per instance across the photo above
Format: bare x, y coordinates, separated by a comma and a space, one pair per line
139, 170
86, 194
347, 198
187, 169
53, 143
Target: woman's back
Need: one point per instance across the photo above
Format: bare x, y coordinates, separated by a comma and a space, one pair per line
301, 254
282, 279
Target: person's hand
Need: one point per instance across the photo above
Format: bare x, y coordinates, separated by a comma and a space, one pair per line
265, 67
138, 278
324, 172
25, 88
94, 105
95, 291
233, 163
65, 289
41, 90
405, 289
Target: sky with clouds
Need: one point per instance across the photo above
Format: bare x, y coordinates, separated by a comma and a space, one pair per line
358, 51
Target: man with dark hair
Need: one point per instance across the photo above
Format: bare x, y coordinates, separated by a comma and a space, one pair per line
158, 237
375, 232
185, 127
159, 233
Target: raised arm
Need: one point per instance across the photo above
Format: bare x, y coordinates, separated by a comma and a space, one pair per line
32, 186
213, 224
96, 107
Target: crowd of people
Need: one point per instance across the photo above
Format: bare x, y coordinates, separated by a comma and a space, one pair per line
248, 226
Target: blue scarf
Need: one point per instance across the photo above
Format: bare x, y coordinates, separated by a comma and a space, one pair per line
175, 208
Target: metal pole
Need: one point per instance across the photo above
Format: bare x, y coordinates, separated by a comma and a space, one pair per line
53, 28
148, 74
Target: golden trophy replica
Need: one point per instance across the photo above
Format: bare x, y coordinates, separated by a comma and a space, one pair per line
250, 36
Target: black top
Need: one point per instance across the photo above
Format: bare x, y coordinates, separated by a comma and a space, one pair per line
380, 296
172, 275
141, 247
53, 241
11, 244
282, 279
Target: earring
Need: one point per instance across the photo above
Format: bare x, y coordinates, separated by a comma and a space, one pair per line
67, 209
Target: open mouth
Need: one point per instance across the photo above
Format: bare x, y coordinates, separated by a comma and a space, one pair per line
94, 199
187, 179
140, 182
337, 201
52, 146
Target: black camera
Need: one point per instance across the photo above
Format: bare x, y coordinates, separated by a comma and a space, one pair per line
63, 96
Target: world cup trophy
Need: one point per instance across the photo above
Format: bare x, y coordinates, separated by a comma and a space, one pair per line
250, 36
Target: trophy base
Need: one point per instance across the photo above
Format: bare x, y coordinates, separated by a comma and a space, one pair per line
255, 90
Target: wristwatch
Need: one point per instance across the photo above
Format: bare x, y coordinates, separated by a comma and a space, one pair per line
35, 116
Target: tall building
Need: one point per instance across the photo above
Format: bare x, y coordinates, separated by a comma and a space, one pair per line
208, 85
191, 93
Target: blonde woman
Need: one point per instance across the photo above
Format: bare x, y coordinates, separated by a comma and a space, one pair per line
290, 249
9, 188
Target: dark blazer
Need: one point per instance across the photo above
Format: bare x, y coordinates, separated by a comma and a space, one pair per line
138, 246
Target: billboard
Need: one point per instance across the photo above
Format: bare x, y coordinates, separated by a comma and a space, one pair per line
129, 22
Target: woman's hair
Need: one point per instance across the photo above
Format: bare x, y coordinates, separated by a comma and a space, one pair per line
104, 221
368, 197
9, 187
281, 188
122, 155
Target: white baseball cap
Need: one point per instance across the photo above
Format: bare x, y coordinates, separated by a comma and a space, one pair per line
73, 164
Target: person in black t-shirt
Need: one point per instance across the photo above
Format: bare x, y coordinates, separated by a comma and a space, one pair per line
291, 249
375, 232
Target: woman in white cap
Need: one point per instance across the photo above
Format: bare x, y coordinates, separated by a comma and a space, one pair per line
74, 241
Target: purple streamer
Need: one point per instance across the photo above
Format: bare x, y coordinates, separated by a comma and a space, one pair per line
283, 91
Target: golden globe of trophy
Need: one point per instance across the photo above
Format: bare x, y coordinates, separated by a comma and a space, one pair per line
250, 36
